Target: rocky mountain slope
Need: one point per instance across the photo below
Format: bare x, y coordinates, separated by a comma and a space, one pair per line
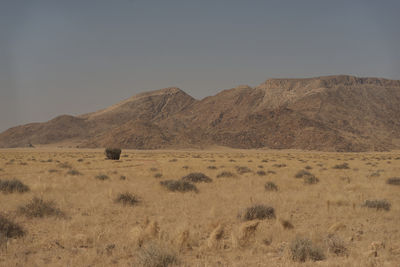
332, 113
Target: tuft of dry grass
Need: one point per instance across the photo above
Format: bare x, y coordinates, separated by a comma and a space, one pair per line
311, 179
378, 204
225, 174
40, 208
341, 166
302, 249
270, 186
302, 174
336, 245
102, 177
9, 229
11, 186
257, 211
127, 199
179, 185
393, 181
196, 177
242, 169
156, 255
73, 172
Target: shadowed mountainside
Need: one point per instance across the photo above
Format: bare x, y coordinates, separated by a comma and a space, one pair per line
332, 113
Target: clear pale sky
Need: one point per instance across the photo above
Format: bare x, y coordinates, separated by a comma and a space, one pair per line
74, 57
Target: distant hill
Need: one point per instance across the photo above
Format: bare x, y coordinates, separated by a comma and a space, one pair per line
332, 113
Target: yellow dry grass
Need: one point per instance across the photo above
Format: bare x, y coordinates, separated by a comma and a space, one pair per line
203, 228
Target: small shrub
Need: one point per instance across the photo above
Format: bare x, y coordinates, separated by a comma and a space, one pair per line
302, 249
311, 179
179, 185
65, 165
153, 169
279, 165
286, 224
102, 177
225, 174
270, 186
113, 153
173, 160
336, 245
308, 167
73, 172
259, 212
197, 177
242, 169
378, 204
80, 160
14, 185
127, 199
9, 229
264, 160
341, 166
212, 167
156, 255
53, 170
261, 173
185, 167
302, 173
158, 175
37, 207
122, 177
393, 181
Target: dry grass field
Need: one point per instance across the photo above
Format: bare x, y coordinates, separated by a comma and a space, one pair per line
70, 207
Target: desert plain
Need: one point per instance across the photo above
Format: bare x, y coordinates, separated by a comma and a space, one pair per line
248, 208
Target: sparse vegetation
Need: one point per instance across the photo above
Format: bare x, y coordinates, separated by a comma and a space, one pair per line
302, 249
393, 181
261, 173
40, 208
113, 153
311, 179
378, 204
127, 199
259, 212
197, 177
179, 185
11, 186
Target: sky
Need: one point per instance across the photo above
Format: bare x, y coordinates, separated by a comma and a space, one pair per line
74, 57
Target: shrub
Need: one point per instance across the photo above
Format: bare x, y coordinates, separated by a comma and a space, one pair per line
261, 173
225, 174
53, 170
158, 175
65, 165
102, 177
197, 177
9, 229
378, 204
153, 169
341, 166
37, 207
279, 165
122, 177
302, 249
179, 185
286, 224
242, 169
258, 212
212, 167
336, 245
393, 181
308, 167
270, 186
156, 255
311, 179
11, 186
127, 199
73, 172
113, 153
302, 173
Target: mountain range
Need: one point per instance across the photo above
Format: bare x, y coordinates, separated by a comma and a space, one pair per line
330, 113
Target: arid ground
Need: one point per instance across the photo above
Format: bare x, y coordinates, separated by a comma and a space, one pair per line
72, 207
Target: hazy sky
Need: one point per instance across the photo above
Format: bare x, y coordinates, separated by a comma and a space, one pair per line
73, 57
